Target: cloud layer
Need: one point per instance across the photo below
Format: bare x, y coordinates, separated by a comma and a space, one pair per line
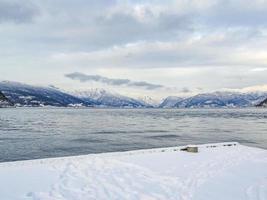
115, 82
186, 44
17, 11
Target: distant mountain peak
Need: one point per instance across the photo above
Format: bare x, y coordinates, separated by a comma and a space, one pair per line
170, 102
149, 101
108, 98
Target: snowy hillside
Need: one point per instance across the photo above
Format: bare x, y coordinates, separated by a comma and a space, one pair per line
26, 95
149, 101
215, 100
170, 102
218, 171
222, 99
108, 99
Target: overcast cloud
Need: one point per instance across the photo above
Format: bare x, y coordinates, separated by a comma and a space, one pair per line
20, 11
175, 43
111, 81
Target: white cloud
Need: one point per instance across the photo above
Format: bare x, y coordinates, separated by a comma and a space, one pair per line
259, 69
255, 88
214, 49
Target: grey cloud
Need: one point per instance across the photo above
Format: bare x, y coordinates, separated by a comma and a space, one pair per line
115, 82
186, 90
148, 86
17, 11
164, 26
100, 24
70, 26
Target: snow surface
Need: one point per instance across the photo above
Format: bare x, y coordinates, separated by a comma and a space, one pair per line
218, 172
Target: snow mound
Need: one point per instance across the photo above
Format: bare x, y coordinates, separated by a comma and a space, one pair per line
218, 171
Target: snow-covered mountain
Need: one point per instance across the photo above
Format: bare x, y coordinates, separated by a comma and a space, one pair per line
170, 102
108, 99
222, 99
27, 95
18, 94
149, 101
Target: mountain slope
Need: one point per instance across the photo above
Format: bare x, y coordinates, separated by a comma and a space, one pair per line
222, 99
263, 103
4, 102
13, 93
170, 102
27, 95
108, 99
149, 101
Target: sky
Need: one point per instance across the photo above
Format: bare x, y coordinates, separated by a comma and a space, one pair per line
136, 48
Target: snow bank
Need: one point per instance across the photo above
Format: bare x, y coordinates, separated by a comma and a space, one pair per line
217, 171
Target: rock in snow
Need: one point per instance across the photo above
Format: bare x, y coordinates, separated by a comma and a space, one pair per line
4, 102
217, 171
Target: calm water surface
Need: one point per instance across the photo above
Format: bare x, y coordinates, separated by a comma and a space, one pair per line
30, 133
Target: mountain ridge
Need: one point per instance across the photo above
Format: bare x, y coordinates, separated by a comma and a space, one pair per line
35, 96
222, 99
105, 98
22, 95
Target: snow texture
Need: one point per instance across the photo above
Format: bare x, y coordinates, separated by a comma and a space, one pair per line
218, 171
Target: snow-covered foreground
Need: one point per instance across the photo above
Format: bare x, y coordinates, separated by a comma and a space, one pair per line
221, 172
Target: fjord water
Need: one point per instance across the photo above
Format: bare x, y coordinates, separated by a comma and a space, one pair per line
30, 133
